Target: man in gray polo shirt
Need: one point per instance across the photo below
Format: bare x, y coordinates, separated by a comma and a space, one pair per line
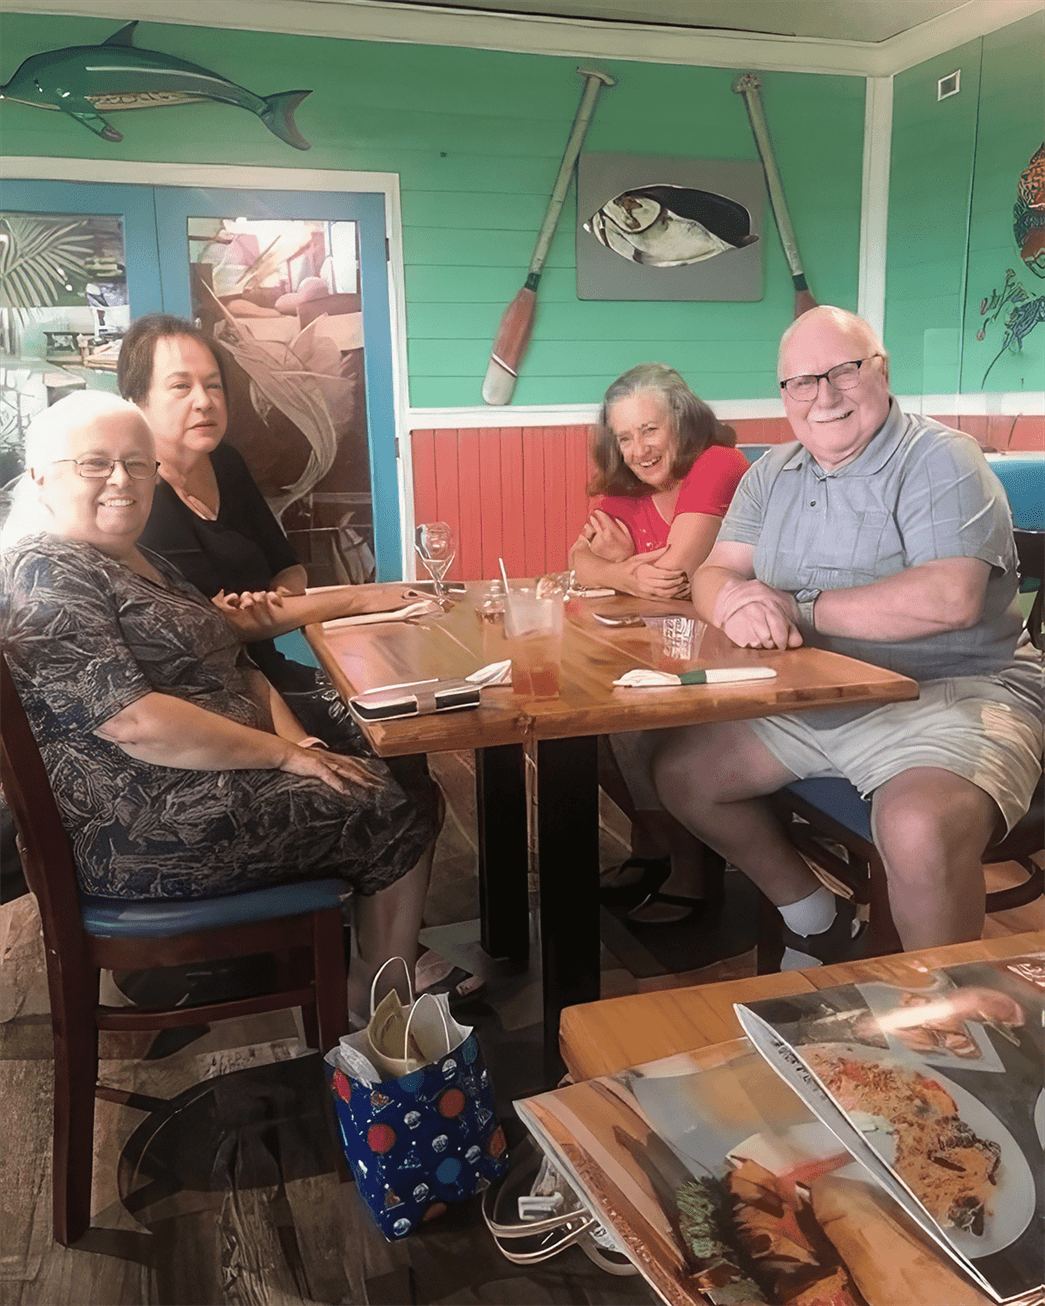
888, 538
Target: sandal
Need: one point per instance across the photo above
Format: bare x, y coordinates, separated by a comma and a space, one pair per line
626, 897
694, 906
434, 974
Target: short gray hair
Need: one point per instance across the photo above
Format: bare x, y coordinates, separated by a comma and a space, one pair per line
843, 318
44, 439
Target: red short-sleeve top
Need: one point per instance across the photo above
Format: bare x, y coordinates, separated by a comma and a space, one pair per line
708, 488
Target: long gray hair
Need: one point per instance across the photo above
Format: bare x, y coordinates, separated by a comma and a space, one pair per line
45, 438
695, 426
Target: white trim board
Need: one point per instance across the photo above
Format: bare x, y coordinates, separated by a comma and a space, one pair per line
874, 201
1027, 403
376, 20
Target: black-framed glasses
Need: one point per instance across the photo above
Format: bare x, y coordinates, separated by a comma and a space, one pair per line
843, 376
97, 469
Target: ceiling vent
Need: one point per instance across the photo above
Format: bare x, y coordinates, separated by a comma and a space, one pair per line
949, 85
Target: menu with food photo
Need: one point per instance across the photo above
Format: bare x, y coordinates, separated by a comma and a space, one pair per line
863, 1148
937, 1090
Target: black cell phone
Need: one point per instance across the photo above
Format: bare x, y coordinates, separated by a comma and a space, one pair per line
428, 586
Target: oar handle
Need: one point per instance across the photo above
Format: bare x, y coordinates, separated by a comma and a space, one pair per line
594, 81
747, 85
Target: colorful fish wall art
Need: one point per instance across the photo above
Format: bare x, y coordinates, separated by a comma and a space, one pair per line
1028, 231
87, 81
671, 226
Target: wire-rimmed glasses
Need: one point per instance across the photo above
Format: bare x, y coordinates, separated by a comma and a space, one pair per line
97, 469
843, 376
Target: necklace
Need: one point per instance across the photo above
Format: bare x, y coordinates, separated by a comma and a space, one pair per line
197, 506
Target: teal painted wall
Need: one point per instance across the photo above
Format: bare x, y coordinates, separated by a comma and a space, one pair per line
476, 137
955, 165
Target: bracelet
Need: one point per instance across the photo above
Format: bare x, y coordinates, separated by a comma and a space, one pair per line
311, 741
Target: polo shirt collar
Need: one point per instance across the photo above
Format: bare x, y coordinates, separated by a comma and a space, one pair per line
882, 447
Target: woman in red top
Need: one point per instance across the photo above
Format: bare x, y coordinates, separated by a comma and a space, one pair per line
666, 470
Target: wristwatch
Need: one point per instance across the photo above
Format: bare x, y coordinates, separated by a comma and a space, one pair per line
806, 600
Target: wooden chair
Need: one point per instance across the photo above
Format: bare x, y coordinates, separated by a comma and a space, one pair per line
817, 813
300, 923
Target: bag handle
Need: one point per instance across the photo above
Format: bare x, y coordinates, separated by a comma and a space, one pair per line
426, 1000
572, 1225
381, 970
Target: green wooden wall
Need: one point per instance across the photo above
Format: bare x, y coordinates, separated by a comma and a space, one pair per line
476, 137
955, 165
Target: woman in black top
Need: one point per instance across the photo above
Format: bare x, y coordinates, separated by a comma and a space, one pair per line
208, 516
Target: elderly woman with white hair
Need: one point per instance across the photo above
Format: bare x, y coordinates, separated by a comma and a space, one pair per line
178, 769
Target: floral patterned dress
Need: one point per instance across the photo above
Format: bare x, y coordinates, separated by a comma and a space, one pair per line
86, 637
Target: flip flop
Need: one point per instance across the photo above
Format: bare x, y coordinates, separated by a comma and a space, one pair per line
694, 906
626, 897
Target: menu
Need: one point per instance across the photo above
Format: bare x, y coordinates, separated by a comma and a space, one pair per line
866, 1144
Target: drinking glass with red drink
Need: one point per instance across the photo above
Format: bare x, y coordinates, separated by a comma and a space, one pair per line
533, 628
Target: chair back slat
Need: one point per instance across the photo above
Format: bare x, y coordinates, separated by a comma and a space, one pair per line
47, 855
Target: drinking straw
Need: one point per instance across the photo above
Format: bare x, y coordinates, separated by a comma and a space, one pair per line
504, 574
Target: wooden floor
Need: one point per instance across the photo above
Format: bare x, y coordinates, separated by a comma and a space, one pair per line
220, 1186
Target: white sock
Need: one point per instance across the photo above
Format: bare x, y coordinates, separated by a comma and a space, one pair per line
811, 915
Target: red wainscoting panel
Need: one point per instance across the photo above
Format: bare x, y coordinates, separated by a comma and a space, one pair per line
518, 492
511, 492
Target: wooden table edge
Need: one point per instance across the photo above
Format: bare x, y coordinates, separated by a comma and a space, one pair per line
587, 1057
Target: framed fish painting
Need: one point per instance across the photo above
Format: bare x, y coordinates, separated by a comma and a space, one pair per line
662, 228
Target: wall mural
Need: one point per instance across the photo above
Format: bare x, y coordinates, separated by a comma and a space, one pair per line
1028, 230
85, 81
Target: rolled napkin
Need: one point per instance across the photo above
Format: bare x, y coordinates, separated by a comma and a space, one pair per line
640, 678
589, 592
426, 608
495, 673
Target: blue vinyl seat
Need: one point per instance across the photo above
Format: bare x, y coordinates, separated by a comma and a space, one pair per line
299, 924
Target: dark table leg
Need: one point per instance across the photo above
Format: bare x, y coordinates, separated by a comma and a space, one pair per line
568, 855
504, 909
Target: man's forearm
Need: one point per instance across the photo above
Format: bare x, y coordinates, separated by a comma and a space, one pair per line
924, 600
705, 587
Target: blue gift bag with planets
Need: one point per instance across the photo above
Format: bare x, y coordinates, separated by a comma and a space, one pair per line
417, 1143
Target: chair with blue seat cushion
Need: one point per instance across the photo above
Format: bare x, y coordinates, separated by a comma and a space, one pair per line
1023, 478
821, 812
300, 924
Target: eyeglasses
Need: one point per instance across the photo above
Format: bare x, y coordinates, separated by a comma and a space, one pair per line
843, 376
97, 469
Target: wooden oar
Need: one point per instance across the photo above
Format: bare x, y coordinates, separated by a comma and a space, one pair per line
513, 335
747, 85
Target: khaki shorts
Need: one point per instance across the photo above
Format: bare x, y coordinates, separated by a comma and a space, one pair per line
962, 724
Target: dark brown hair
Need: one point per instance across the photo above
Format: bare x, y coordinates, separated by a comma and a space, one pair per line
138, 349
694, 424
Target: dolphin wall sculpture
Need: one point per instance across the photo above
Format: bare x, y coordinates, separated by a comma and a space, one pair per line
86, 80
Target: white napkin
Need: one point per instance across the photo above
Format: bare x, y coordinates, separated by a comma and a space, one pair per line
641, 678
590, 592
425, 608
495, 673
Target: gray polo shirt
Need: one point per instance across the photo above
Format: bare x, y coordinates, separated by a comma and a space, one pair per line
918, 492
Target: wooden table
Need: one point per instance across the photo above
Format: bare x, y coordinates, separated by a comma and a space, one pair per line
560, 735
601, 1038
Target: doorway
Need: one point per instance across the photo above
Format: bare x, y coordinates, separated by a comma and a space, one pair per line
294, 286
